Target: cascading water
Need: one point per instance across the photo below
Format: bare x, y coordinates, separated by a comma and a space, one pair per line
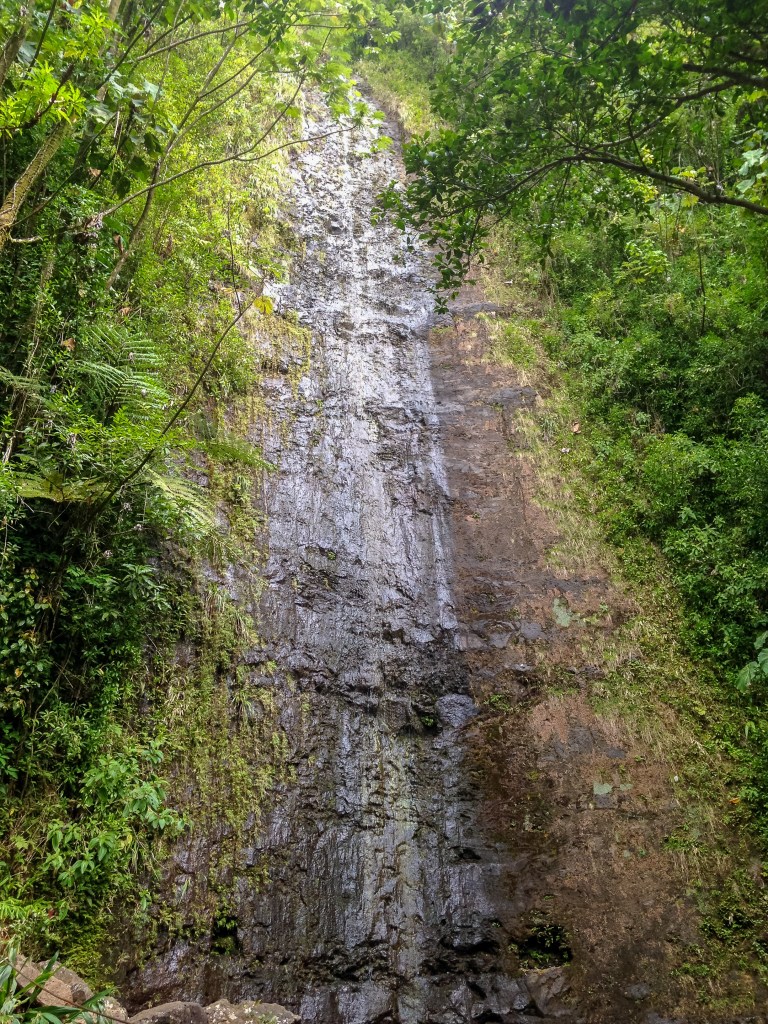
380, 885
384, 901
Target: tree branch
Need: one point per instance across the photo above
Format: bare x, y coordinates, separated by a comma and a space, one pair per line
14, 41
239, 156
673, 180
18, 191
738, 77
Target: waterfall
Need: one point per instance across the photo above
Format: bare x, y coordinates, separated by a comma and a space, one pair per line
384, 901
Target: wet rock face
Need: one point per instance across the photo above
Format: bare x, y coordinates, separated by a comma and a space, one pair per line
385, 901
375, 910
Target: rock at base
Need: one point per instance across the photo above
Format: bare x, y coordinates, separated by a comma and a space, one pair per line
172, 1013
113, 1010
63, 988
224, 1012
547, 987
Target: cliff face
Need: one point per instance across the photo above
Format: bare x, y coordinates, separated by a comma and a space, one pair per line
459, 836
384, 899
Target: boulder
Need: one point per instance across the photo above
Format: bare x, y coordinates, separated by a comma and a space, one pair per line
80, 990
113, 1010
224, 1012
172, 1013
63, 988
546, 988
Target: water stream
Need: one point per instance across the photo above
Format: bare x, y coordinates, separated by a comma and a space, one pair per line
385, 901
382, 898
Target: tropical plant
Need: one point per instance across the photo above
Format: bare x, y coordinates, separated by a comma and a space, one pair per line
19, 999
545, 93
143, 178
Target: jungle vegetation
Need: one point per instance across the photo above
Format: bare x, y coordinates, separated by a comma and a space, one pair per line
613, 153
613, 156
142, 147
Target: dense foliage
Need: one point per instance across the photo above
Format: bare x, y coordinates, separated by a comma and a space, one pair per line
140, 217
538, 93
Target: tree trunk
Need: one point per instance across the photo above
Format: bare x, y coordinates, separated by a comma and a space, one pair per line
13, 43
138, 227
20, 188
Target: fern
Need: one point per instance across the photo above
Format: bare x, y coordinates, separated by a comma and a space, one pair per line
27, 385
187, 499
228, 448
121, 347
122, 369
54, 487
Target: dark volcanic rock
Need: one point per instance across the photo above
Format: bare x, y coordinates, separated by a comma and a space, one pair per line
372, 912
172, 1013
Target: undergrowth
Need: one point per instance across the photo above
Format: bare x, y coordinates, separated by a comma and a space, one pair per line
400, 75
652, 678
124, 723
645, 314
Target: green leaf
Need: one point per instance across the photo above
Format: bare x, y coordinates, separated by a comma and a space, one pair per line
747, 676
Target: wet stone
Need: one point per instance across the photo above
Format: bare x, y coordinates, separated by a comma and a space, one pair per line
531, 631
369, 915
176, 1012
455, 710
547, 989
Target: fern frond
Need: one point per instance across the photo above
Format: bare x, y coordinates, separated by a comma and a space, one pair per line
124, 386
122, 369
121, 347
53, 487
27, 385
187, 498
228, 448
104, 377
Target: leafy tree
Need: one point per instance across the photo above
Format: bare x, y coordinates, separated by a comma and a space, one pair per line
612, 158
537, 91
140, 145
79, 71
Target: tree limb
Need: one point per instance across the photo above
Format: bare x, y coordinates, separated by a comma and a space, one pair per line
674, 181
14, 42
738, 77
18, 191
